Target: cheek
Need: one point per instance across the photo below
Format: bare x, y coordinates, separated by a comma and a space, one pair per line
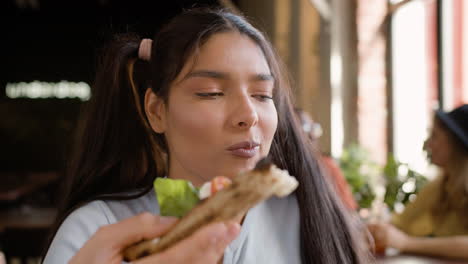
270, 123
191, 123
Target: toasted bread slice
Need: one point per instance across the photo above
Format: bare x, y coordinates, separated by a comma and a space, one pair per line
246, 190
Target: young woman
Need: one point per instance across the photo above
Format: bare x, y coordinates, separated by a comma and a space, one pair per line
206, 97
436, 222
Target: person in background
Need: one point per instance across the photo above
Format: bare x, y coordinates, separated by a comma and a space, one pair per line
207, 97
332, 169
436, 222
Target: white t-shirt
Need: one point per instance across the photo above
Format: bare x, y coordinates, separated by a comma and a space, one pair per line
269, 233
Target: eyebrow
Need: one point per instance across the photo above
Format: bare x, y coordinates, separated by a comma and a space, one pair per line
207, 74
263, 77
225, 76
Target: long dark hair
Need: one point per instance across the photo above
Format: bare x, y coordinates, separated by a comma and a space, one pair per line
118, 152
452, 190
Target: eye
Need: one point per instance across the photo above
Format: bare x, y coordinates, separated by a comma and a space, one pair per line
262, 97
209, 95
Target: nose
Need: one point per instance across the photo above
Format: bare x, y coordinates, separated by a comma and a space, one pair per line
245, 114
428, 144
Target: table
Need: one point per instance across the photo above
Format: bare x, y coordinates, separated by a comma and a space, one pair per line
413, 259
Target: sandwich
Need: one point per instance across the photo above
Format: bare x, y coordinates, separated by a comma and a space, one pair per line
198, 208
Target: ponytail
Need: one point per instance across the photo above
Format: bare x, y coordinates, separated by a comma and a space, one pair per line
115, 150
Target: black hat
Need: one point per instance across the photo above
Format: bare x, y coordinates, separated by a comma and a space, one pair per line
457, 122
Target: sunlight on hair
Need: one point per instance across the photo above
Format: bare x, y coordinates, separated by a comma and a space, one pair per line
41, 90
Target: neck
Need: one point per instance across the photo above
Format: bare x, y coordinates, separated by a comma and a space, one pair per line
177, 171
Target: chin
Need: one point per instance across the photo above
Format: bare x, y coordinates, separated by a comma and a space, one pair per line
236, 169
234, 165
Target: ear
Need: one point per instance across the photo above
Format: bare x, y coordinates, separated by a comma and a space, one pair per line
155, 110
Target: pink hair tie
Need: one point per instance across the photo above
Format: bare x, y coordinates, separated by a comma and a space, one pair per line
144, 52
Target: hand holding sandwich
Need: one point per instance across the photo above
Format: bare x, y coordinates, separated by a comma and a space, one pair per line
204, 246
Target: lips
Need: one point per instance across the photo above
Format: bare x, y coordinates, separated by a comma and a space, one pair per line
245, 149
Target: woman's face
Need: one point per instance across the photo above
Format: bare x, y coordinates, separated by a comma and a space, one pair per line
438, 146
220, 118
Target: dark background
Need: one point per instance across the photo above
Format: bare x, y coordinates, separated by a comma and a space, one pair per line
55, 41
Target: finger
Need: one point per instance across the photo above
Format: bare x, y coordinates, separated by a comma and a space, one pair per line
211, 242
134, 229
206, 246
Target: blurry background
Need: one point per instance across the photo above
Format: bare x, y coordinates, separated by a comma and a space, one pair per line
371, 72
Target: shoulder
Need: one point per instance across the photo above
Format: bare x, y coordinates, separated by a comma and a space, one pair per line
270, 234
418, 213
278, 212
430, 191
75, 230
83, 222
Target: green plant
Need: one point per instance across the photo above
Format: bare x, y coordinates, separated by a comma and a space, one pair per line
401, 182
365, 176
359, 170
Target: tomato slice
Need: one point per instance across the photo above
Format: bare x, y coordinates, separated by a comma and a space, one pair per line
218, 183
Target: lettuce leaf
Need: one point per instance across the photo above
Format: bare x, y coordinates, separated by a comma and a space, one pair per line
175, 197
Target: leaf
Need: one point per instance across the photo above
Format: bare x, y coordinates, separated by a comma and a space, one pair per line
175, 197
